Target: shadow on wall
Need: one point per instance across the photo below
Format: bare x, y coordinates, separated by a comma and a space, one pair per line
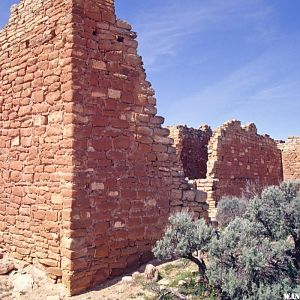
126, 171
236, 156
192, 149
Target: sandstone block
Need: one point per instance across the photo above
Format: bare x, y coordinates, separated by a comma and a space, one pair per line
38, 96
97, 186
151, 273
6, 267
114, 94
99, 65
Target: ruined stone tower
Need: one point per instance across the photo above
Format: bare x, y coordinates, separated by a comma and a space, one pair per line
88, 176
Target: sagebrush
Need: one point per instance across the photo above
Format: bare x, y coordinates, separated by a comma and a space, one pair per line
255, 254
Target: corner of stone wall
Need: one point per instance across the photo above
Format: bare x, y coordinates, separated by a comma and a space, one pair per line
37, 134
290, 151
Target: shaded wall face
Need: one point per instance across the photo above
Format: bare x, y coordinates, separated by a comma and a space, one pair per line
291, 158
191, 147
125, 165
35, 150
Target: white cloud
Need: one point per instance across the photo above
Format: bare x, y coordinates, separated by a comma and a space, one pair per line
164, 29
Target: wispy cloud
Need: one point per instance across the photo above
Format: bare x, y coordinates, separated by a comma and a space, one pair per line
263, 77
268, 84
163, 31
288, 90
212, 60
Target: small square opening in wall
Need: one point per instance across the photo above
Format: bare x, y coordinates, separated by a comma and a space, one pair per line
53, 34
95, 32
120, 39
27, 44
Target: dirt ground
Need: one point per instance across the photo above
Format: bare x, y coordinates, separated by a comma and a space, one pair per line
29, 283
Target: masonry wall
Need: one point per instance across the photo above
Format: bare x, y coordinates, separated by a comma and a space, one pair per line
191, 148
35, 148
237, 156
127, 177
291, 158
88, 174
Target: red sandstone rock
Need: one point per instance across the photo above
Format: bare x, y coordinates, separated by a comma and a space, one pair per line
151, 273
6, 267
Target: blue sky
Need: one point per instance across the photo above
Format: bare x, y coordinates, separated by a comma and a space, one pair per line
214, 60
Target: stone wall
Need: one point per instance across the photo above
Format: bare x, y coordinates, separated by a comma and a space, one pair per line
237, 155
35, 147
127, 176
291, 158
191, 148
88, 175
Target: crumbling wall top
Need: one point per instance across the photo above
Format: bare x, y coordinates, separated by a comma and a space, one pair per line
249, 130
190, 130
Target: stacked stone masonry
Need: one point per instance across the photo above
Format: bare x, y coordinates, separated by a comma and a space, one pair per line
35, 141
191, 148
88, 175
237, 157
291, 158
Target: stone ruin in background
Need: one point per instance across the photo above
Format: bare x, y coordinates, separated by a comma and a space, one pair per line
234, 158
290, 157
88, 174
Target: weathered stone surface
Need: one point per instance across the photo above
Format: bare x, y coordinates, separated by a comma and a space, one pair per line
22, 283
127, 279
164, 282
151, 273
137, 276
35, 159
6, 266
290, 158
